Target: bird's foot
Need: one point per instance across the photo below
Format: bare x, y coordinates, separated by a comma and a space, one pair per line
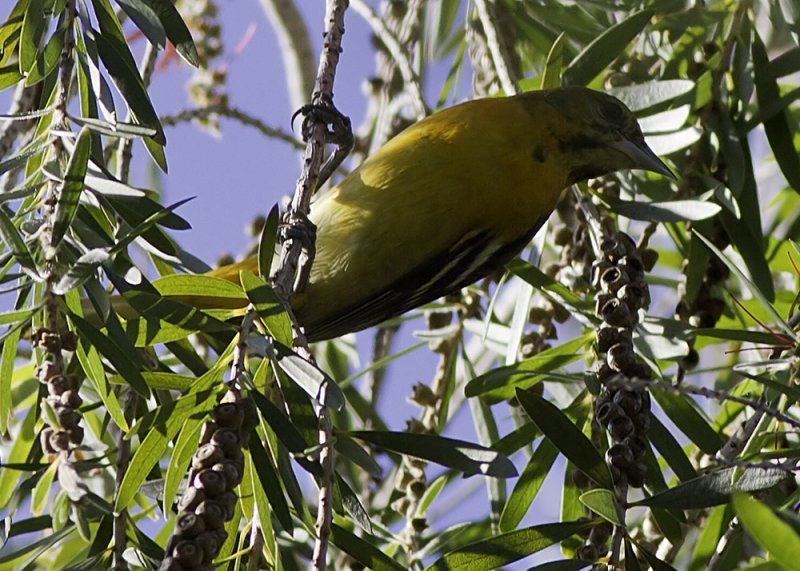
338, 131
299, 227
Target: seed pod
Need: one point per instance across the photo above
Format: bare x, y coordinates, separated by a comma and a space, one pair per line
76, 435
189, 525
613, 279
191, 498
213, 514
630, 401
621, 357
620, 427
71, 399
233, 477
228, 415
616, 313
206, 456
227, 440
213, 483
607, 412
60, 440
209, 544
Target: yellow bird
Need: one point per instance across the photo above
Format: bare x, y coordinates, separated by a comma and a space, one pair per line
453, 198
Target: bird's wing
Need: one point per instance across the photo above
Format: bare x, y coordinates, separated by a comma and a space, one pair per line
474, 256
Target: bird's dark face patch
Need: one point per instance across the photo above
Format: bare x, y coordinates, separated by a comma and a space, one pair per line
539, 153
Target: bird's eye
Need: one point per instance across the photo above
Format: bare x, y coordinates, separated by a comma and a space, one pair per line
612, 111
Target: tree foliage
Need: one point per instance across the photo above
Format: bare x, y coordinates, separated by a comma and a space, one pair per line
642, 352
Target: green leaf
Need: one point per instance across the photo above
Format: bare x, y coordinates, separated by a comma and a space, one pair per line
146, 20
33, 28
268, 306
176, 29
266, 244
603, 503
565, 565
313, 380
643, 96
175, 312
669, 143
117, 129
551, 76
669, 211
779, 539
185, 447
47, 60
362, 551
114, 52
506, 548
714, 488
544, 283
200, 286
681, 410
7, 359
268, 476
168, 421
286, 432
70, 193
42, 489
778, 127
500, 383
465, 456
120, 359
160, 381
9, 75
604, 48
567, 437
528, 485
82, 270
16, 246
348, 448
670, 450
95, 372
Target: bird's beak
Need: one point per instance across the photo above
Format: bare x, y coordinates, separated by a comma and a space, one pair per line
642, 156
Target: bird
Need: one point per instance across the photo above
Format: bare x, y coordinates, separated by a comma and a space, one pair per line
451, 199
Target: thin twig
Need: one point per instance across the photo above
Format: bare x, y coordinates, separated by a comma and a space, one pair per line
292, 248
226, 110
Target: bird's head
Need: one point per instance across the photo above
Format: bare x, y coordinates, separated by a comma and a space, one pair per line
598, 135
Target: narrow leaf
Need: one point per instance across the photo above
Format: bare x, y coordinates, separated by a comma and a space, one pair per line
567, 437
464, 456
603, 49
70, 193
714, 488
507, 547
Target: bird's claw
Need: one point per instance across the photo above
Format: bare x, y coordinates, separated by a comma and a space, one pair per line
338, 131
299, 227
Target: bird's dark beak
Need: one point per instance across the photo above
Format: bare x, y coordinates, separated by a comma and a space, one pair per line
642, 156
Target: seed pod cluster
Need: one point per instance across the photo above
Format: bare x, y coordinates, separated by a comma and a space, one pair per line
624, 413
60, 407
209, 500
